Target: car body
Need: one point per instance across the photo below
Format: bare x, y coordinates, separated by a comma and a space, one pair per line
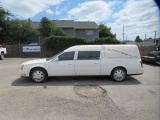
3, 51
86, 60
154, 57
33, 43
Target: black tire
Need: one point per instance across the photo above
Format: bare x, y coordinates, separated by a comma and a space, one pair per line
118, 74
38, 75
1, 56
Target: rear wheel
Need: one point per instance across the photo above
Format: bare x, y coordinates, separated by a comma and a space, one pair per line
38, 75
118, 74
1, 56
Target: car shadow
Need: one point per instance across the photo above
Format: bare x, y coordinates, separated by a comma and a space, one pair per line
72, 81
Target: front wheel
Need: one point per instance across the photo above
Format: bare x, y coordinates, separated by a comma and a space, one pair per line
38, 75
118, 74
1, 56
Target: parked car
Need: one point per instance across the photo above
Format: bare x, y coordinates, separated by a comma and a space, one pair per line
118, 61
154, 57
33, 43
3, 51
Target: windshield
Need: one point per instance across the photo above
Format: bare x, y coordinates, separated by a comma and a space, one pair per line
51, 58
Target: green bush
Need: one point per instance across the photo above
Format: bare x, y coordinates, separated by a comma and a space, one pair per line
122, 42
59, 43
106, 40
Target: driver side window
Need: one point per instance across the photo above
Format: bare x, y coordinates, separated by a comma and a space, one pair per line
66, 56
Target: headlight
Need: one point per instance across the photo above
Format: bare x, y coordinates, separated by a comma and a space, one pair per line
22, 67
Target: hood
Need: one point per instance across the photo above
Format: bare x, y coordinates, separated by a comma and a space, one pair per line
35, 61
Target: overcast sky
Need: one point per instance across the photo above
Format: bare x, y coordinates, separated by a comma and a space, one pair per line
139, 17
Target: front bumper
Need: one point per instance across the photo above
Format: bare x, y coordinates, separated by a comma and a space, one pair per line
24, 73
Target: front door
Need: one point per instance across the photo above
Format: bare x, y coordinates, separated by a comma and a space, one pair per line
64, 66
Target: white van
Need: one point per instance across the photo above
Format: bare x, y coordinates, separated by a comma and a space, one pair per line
118, 61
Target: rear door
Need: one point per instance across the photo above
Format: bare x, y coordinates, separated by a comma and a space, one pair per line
88, 63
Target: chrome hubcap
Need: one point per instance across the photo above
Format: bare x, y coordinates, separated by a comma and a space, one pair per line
119, 74
38, 75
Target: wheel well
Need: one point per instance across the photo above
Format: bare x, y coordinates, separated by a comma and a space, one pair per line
2, 52
119, 67
36, 68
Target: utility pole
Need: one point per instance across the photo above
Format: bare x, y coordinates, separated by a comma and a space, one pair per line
155, 35
126, 37
145, 36
156, 41
123, 32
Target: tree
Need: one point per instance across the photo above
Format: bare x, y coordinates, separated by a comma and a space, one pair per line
3, 15
4, 22
138, 39
19, 31
14, 31
29, 20
105, 31
48, 28
59, 32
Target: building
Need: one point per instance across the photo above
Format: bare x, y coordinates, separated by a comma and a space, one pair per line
84, 29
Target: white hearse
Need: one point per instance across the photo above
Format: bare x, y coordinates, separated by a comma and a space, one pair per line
118, 61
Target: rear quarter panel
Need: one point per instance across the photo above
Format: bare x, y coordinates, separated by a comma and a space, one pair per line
132, 66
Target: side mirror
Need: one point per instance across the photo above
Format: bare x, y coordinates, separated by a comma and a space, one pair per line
57, 59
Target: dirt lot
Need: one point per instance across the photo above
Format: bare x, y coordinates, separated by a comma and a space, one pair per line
81, 98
